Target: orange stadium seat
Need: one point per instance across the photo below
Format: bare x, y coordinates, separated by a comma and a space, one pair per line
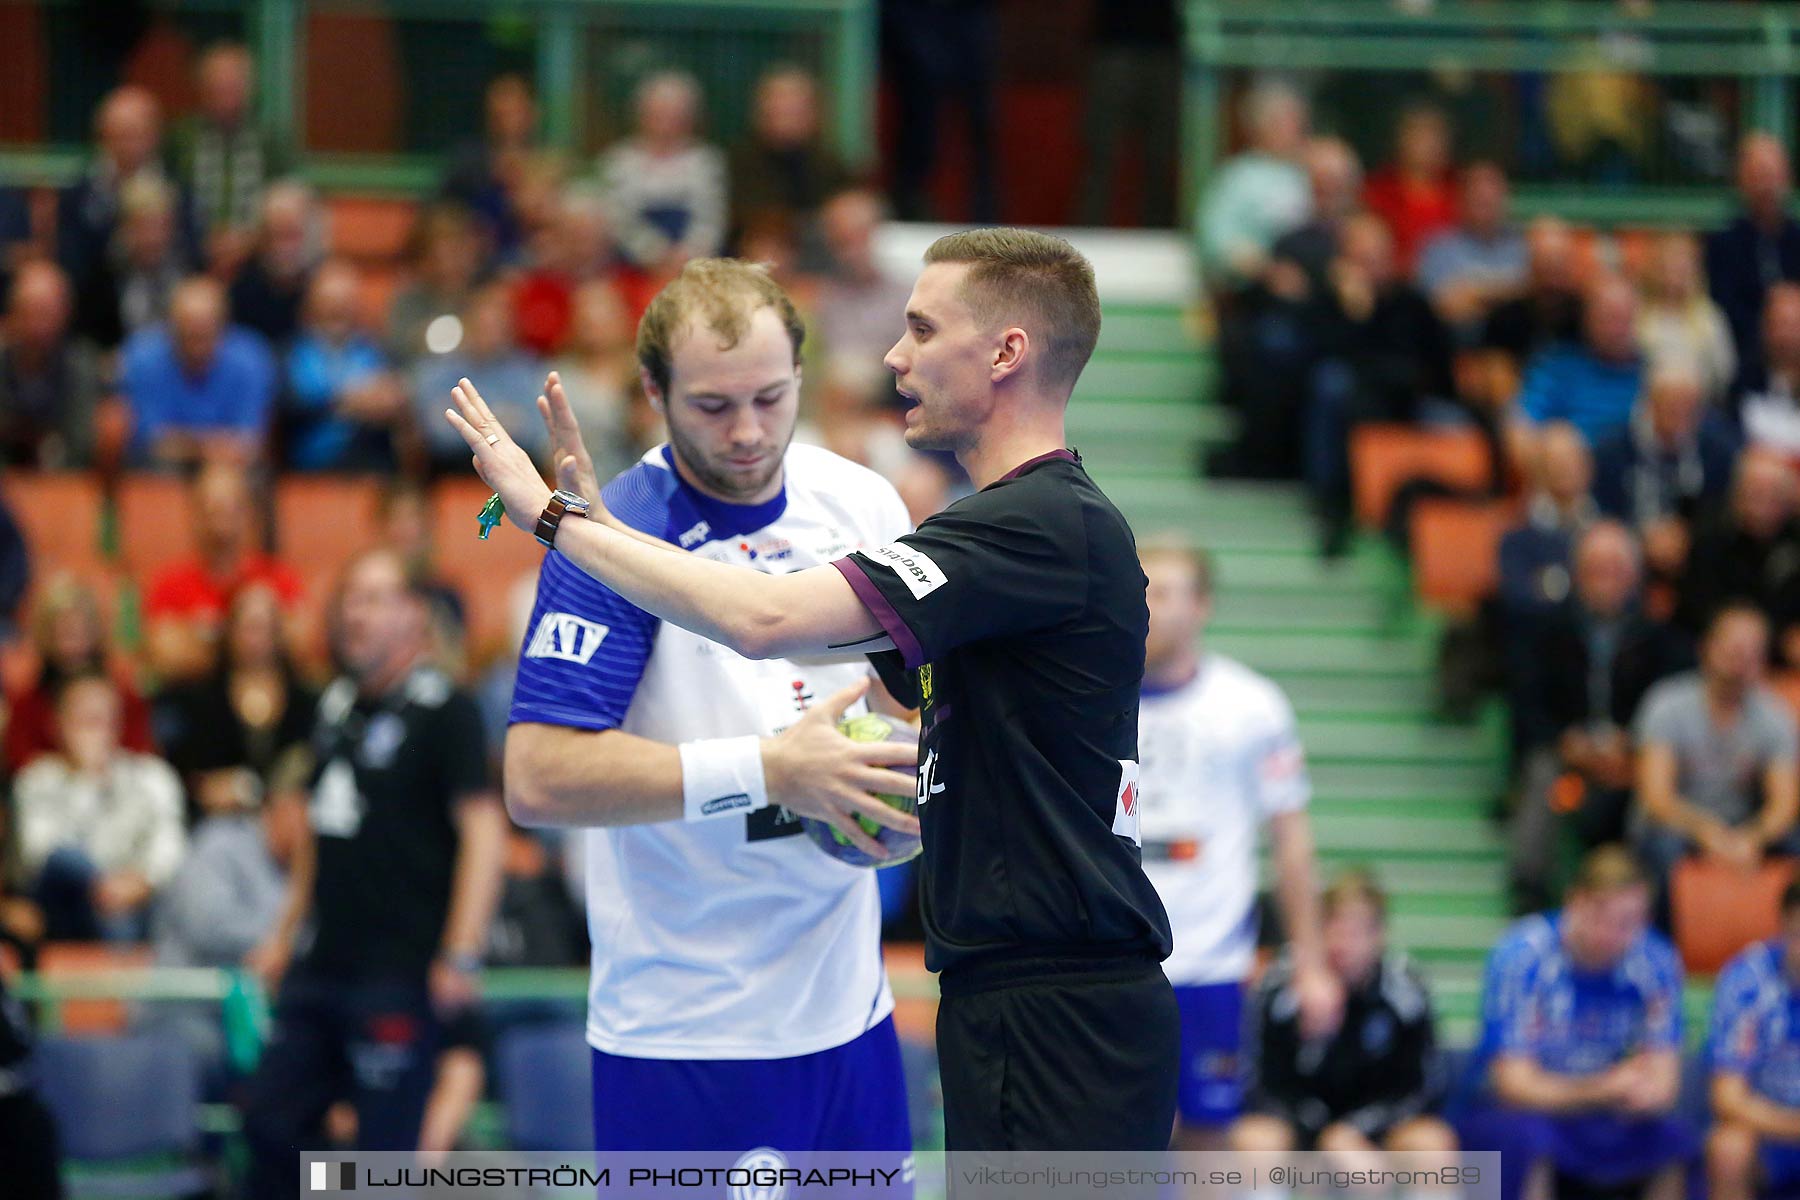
1719, 909
375, 295
90, 958
1456, 551
60, 514
321, 521
155, 525
484, 572
1786, 684
369, 228
1384, 457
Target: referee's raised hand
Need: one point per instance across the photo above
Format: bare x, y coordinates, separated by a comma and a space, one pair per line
569, 456
501, 462
813, 770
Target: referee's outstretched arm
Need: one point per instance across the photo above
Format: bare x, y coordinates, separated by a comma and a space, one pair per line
805, 613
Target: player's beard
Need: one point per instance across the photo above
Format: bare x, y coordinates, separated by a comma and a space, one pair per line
723, 483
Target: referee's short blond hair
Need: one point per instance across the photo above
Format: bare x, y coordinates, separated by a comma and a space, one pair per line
1035, 281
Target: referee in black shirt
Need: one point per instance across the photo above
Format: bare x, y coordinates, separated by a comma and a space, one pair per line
1015, 621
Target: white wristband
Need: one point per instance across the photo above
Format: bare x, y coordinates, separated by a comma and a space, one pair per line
722, 776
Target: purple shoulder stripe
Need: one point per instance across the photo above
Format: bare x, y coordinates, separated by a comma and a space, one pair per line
910, 651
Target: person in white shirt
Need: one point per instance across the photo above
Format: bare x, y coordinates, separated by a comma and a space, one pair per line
738, 998
99, 827
1221, 759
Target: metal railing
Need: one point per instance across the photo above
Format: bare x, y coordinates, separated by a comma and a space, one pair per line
584, 57
1753, 47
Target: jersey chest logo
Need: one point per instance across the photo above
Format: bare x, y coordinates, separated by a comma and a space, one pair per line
925, 686
567, 637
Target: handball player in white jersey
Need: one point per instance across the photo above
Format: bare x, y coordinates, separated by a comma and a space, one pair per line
1220, 760
738, 1000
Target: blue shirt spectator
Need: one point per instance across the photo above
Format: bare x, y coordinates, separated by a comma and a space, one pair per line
195, 381
340, 401
1595, 385
1471, 268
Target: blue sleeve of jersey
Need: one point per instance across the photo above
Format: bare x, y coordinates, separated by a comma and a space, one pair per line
1510, 1000
1662, 1006
586, 647
1733, 1037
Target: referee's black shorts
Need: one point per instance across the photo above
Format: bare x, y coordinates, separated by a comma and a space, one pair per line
1059, 1055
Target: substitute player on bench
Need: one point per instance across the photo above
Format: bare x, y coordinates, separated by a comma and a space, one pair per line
1016, 620
738, 999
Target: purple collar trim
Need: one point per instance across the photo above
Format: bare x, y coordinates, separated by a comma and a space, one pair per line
1029, 463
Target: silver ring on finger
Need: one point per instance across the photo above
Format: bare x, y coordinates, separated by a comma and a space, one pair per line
493, 439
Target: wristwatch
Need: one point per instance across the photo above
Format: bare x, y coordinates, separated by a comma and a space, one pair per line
561, 505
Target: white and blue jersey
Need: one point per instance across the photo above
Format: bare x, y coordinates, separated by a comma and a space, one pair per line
730, 939
1756, 1023
1538, 1003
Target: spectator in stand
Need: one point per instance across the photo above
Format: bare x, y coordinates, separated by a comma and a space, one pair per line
1679, 321
341, 403
50, 379
99, 826
228, 734
1580, 684
446, 256
1716, 769
573, 247
1133, 92
197, 386
934, 52
1472, 267
536, 924
487, 350
225, 899
1258, 194
1382, 353
1769, 405
186, 602
403, 525
1370, 1081
1672, 461
290, 243
1416, 192
667, 187
1548, 313
68, 634
1535, 556
599, 370
1267, 344
222, 158
1593, 385
1754, 1146
859, 300
1334, 180
1760, 248
1580, 1054
783, 166
1749, 550
483, 175
128, 126
132, 284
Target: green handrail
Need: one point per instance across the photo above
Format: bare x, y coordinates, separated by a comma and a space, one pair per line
1672, 39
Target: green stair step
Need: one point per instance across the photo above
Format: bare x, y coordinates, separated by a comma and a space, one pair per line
1112, 377
1394, 741
1339, 695
1402, 809
1240, 570
1462, 780
1414, 839
1275, 652
1137, 419
1146, 327
1269, 608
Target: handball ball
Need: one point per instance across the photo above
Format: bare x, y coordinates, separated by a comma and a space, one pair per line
871, 727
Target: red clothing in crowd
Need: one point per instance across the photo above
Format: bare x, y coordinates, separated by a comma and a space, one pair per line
31, 723
1413, 211
185, 590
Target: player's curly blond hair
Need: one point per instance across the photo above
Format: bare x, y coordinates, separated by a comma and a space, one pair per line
718, 295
